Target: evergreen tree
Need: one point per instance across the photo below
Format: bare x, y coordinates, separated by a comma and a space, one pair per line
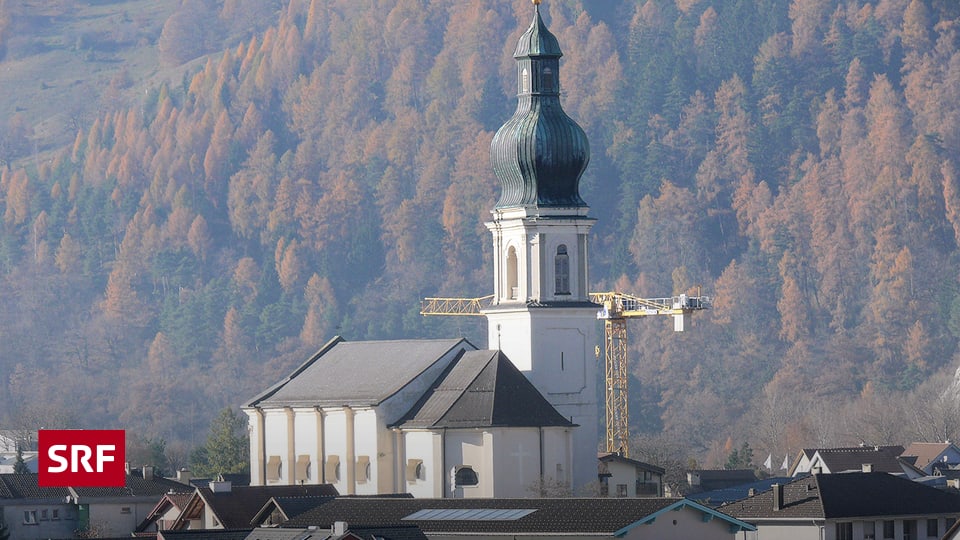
227, 447
19, 467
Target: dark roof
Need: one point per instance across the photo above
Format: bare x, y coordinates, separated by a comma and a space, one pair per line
881, 458
24, 486
712, 479
272, 533
409, 532
235, 479
288, 506
357, 373
482, 389
594, 515
236, 508
606, 457
718, 497
847, 495
136, 487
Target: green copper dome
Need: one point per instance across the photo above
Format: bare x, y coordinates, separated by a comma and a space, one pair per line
540, 153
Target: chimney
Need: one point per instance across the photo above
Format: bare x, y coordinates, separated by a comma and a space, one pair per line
777, 497
866, 467
221, 486
183, 476
340, 528
751, 492
147, 472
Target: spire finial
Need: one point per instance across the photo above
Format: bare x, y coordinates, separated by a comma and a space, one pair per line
536, 2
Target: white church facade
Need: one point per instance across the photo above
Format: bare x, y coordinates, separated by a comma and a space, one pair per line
439, 418
434, 418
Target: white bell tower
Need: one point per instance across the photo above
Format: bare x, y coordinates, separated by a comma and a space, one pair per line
541, 316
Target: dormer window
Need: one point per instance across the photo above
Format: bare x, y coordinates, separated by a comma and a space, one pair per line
561, 270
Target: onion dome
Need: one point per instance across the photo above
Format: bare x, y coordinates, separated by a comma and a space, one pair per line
540, 153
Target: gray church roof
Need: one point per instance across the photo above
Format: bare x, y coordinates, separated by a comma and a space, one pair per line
483, 389
359, 373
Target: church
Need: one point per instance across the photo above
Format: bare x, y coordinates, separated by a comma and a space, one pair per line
442, 418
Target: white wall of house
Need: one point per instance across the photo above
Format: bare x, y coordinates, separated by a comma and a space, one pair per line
39, 518
119, 516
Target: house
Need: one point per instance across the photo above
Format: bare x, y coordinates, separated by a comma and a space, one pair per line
224, 507
432, 418
931, 457
835, 460
281, 509
570, 518
850, 505
629, 477
165, 512
34, 512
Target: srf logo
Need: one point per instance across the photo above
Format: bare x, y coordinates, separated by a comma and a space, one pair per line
81, 458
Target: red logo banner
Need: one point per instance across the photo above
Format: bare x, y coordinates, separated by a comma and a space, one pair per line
81, 458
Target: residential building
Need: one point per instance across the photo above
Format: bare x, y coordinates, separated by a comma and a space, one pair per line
34, 512
621, 476
835, 460
931, 457
867, 505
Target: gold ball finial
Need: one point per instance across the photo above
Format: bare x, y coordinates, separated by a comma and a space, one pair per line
536, 2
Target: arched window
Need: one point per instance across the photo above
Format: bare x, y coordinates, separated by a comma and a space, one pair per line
512, 291
561, 270
524, 81
465, 476
547, 80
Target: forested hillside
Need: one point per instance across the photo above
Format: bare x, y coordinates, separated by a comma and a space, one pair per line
315, 167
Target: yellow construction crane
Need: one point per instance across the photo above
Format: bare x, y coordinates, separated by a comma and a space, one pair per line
615, 309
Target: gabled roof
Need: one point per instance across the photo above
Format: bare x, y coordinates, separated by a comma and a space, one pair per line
482, 389
923, 454
24, 486
598, 516
881, 458
612, 457
360, 373
236, 508
175, 501
288, 507
205, 534
718, 497
847, 495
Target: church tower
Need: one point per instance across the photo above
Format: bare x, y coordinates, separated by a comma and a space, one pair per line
541, 316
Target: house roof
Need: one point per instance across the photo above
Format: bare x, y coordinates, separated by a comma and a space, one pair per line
177, 501
360, 373
136, 486
517, 516
923, 454
848, 495
609, 457
718, 497
236, 508
24, 486
881, 458
482, 389
271, 533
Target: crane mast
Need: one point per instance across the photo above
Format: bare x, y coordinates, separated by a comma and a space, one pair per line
615, 309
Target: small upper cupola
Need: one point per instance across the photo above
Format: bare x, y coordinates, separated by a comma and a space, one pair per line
540, 153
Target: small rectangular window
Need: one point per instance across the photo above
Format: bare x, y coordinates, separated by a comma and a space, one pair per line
331, 469
845, 531
621, 490
933, 528
273, 468
888, 529
29, 517
56, 514
44, 515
